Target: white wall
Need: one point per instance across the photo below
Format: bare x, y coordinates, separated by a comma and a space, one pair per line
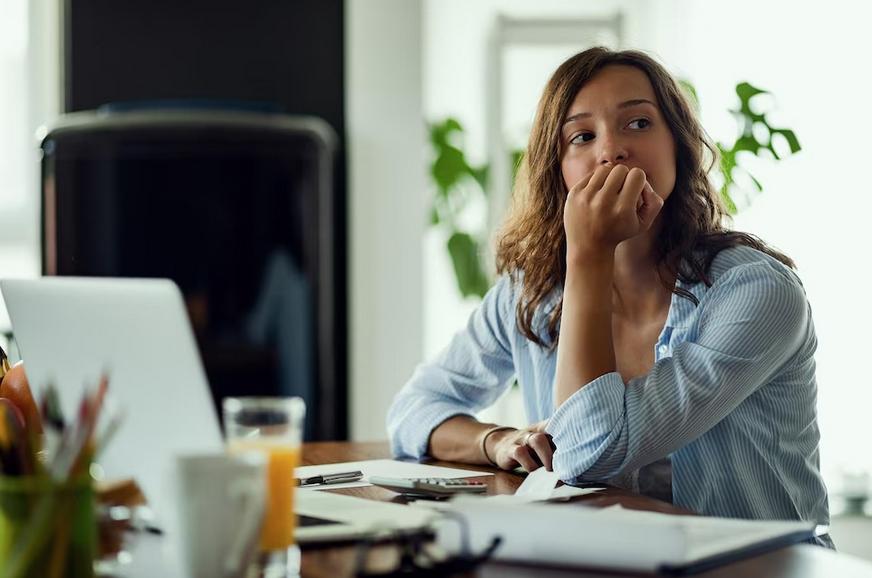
386, 184
455, 36
815, 205
30, 97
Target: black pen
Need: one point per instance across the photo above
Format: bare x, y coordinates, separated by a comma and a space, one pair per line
339, 478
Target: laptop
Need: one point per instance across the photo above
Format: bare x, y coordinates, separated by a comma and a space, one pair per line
70, 329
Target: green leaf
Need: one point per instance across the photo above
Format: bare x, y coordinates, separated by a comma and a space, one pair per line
728, 160
728, 163
440, 133
437, 135
791, 138
448, 167
434, 216
747, 143
452, 125
728, 201
756, 182
480, 175
471, 278
691, 92
746, 92
517, 159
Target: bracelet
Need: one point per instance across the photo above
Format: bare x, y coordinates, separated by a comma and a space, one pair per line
483, 441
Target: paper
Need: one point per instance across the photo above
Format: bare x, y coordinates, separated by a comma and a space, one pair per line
541, 486
538, 485
386, 468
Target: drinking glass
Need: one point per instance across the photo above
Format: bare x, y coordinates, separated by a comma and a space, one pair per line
273, 426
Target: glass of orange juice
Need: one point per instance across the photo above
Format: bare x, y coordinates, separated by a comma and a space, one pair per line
273, 426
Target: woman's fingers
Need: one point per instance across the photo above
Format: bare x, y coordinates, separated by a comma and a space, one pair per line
530, 448
597, 179
652, 203
523, 455
542, 452
580, 185
631, 191
615, 180
539, 427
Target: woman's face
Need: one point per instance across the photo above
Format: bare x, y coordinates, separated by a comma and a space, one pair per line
615, 119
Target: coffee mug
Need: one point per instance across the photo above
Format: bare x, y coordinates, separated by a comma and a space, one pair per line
222, 502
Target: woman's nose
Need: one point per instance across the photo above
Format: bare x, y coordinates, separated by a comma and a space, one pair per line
612, 150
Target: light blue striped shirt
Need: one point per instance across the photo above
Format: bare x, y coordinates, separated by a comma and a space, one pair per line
731, 398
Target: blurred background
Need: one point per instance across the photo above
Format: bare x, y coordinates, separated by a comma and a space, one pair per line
426, 105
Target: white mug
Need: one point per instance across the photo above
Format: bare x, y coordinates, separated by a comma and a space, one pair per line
222, 501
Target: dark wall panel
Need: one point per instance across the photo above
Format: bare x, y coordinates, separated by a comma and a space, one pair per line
288, 52
285, 52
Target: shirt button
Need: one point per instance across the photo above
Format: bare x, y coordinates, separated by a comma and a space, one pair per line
663, 349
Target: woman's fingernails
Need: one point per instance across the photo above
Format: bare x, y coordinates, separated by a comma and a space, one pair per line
648, 187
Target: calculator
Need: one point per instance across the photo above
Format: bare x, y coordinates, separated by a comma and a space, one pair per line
430, 487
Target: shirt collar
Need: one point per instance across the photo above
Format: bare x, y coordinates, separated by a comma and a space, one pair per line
682, 309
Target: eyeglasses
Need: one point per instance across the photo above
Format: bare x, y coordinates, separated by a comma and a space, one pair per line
417, 554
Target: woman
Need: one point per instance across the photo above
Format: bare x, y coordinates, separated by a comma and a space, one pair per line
653, 347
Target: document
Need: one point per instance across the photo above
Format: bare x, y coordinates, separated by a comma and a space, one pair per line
386, 468
615, 538
541, 486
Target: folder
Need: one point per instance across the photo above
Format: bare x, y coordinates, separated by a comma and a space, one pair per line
611, 538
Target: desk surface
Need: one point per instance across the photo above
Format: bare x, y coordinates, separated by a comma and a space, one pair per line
798, 561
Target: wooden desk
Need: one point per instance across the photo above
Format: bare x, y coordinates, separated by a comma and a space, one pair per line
798, 561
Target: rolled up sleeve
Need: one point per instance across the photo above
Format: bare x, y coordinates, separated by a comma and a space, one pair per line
750, 323
469, 375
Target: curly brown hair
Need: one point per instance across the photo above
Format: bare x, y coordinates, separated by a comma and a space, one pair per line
533, 242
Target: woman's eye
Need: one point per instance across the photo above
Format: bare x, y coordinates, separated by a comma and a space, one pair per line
640, 123
582, 138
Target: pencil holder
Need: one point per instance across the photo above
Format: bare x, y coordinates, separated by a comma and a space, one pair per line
47, 530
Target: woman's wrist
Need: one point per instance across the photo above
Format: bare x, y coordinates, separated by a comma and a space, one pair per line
578, 257
489, 440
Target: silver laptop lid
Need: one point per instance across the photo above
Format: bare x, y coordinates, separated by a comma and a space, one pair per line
70, 329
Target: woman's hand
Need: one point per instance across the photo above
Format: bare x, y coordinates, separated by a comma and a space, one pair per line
609, 206
530, 447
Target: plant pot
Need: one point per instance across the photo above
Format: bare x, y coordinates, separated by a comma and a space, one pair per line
47, 530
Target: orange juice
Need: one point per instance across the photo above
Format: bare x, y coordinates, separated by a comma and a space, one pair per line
279, 523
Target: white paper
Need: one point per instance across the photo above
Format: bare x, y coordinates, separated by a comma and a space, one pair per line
566, 492
538, 485
385, 468
541, 486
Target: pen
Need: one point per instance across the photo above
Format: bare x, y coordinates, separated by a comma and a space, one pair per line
339, 478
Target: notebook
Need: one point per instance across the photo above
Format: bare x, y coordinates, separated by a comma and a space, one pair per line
614, 538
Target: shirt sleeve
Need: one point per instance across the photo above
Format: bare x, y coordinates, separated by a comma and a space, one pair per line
467, 376
751, 322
